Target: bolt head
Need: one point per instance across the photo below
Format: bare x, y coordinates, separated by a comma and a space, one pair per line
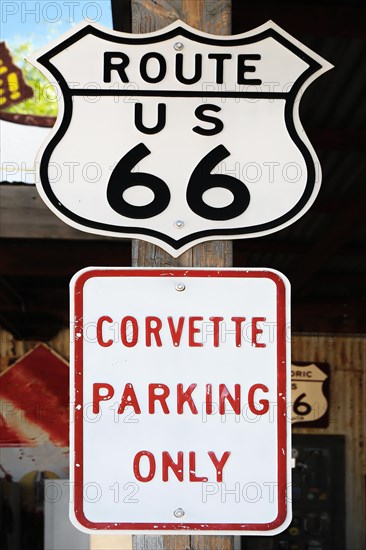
179, 224
178, 46
179, 513
180, 287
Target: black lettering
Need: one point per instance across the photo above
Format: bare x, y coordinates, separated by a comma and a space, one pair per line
200, 114
220, 58
197, 69
123, 178
243, 68
124, 60
202, 180
160, 123
162, 67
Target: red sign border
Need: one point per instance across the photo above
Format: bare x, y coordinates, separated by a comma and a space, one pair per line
77, 296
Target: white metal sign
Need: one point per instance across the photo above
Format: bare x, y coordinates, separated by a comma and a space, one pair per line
179, 136
180, 381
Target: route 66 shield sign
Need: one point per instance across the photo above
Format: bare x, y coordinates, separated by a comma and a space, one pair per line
178, 136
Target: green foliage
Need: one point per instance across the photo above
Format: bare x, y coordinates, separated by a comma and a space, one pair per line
44, 100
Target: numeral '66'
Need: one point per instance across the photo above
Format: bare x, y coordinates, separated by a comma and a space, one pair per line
200, 181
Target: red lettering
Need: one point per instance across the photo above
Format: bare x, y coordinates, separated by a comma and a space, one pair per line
153, 330
176, 467
219, 464
101, 342
263, 402
129, 399
255, 331
192, 469
185, 397
216, 330
131, 321
136, 466
209, 407
192, 331
238, 322
98, 397
161, 397
176, 332
224, 394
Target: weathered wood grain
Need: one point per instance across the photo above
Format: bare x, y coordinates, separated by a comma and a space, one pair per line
153, 15
145, 254
214, 17
24, 215
213, 254
210, 254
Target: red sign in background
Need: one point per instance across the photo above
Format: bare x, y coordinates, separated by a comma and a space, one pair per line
34, 395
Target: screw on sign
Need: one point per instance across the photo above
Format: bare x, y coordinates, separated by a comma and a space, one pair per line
193, 137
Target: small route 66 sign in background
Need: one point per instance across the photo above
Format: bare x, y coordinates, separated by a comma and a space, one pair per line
178, 136
310, 394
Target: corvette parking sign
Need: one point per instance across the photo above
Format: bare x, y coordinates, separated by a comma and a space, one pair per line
180, 388
179, 136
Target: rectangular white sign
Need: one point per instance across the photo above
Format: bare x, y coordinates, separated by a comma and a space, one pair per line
179, 386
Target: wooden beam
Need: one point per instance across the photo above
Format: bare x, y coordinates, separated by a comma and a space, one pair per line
214, 17
23, 214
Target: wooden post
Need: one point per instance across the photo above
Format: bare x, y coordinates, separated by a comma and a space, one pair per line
213, 16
